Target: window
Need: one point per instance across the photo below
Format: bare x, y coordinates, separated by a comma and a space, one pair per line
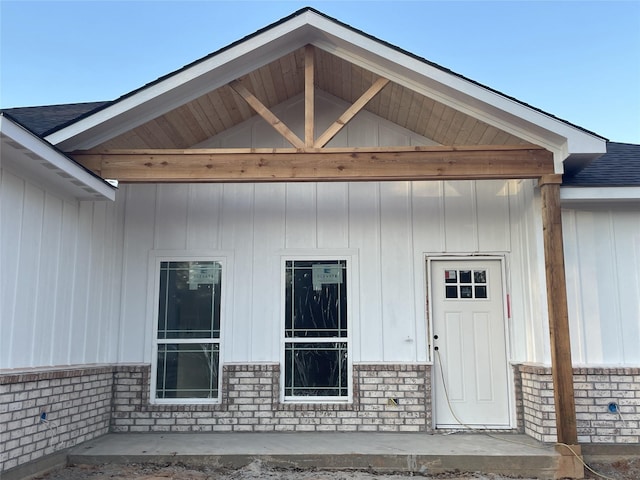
187, 360
315, 330
465, 284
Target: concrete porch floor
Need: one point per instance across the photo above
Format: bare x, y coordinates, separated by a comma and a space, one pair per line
504, 454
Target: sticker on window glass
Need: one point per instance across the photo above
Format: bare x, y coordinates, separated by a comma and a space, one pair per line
450, 276
326, 274
207, 274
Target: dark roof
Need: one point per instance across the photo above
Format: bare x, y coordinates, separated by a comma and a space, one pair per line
619, 167
42, 119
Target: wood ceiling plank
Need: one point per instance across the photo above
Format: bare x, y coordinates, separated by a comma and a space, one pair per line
277, 78
394, 109
501, 138
331, 164
453, 128
416, 103
164, 133
289, 74
489, 135
357, 83
404, 105
385, 102
434, 120
476, 133
321, 69
443, 125
188, 125
199, 113
463, 133
423, 116
269, 86
219, 108
266, 114
213, 117
346, 69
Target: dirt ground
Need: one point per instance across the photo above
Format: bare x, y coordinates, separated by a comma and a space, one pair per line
623, 470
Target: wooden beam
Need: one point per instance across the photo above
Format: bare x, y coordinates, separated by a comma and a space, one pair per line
351, 112
266, 114
561, 364
328, 164
309, 95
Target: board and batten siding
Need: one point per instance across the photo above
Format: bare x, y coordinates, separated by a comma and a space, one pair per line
59, 277
390, 226
602, 251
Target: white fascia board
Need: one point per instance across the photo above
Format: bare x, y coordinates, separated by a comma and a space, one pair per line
45, 162
459, 93
182, 87
590, 195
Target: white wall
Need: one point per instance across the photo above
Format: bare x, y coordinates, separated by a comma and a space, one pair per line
83, 279
390, 225
602, 252
58, 277
74, 275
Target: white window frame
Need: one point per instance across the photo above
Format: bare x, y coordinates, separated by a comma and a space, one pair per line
156, 257
351, 259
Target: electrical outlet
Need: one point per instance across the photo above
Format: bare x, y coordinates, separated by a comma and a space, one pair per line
43, 417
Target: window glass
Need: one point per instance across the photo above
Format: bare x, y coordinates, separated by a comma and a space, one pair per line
187, 363
187, 370
189, 302
316, 369
315, 297
316, 327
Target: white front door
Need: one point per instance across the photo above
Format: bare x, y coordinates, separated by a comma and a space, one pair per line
469, 344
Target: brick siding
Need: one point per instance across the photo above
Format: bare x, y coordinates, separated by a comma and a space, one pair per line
386, 398
83, 403
594, 389
77, 403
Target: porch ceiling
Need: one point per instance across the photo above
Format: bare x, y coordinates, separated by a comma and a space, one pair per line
282, 79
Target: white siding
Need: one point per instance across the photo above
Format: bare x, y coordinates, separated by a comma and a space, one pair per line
602, 249
529, 323
391, 226
56, 264
75, 275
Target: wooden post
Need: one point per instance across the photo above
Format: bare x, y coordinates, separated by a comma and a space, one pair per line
561, 365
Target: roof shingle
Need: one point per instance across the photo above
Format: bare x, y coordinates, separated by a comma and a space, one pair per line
619, 167
42, 119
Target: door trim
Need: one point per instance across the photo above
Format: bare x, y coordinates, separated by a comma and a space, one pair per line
502, 258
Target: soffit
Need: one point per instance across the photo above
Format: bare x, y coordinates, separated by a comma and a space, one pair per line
282, 79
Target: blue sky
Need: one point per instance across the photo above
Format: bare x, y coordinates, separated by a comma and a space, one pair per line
577, 60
